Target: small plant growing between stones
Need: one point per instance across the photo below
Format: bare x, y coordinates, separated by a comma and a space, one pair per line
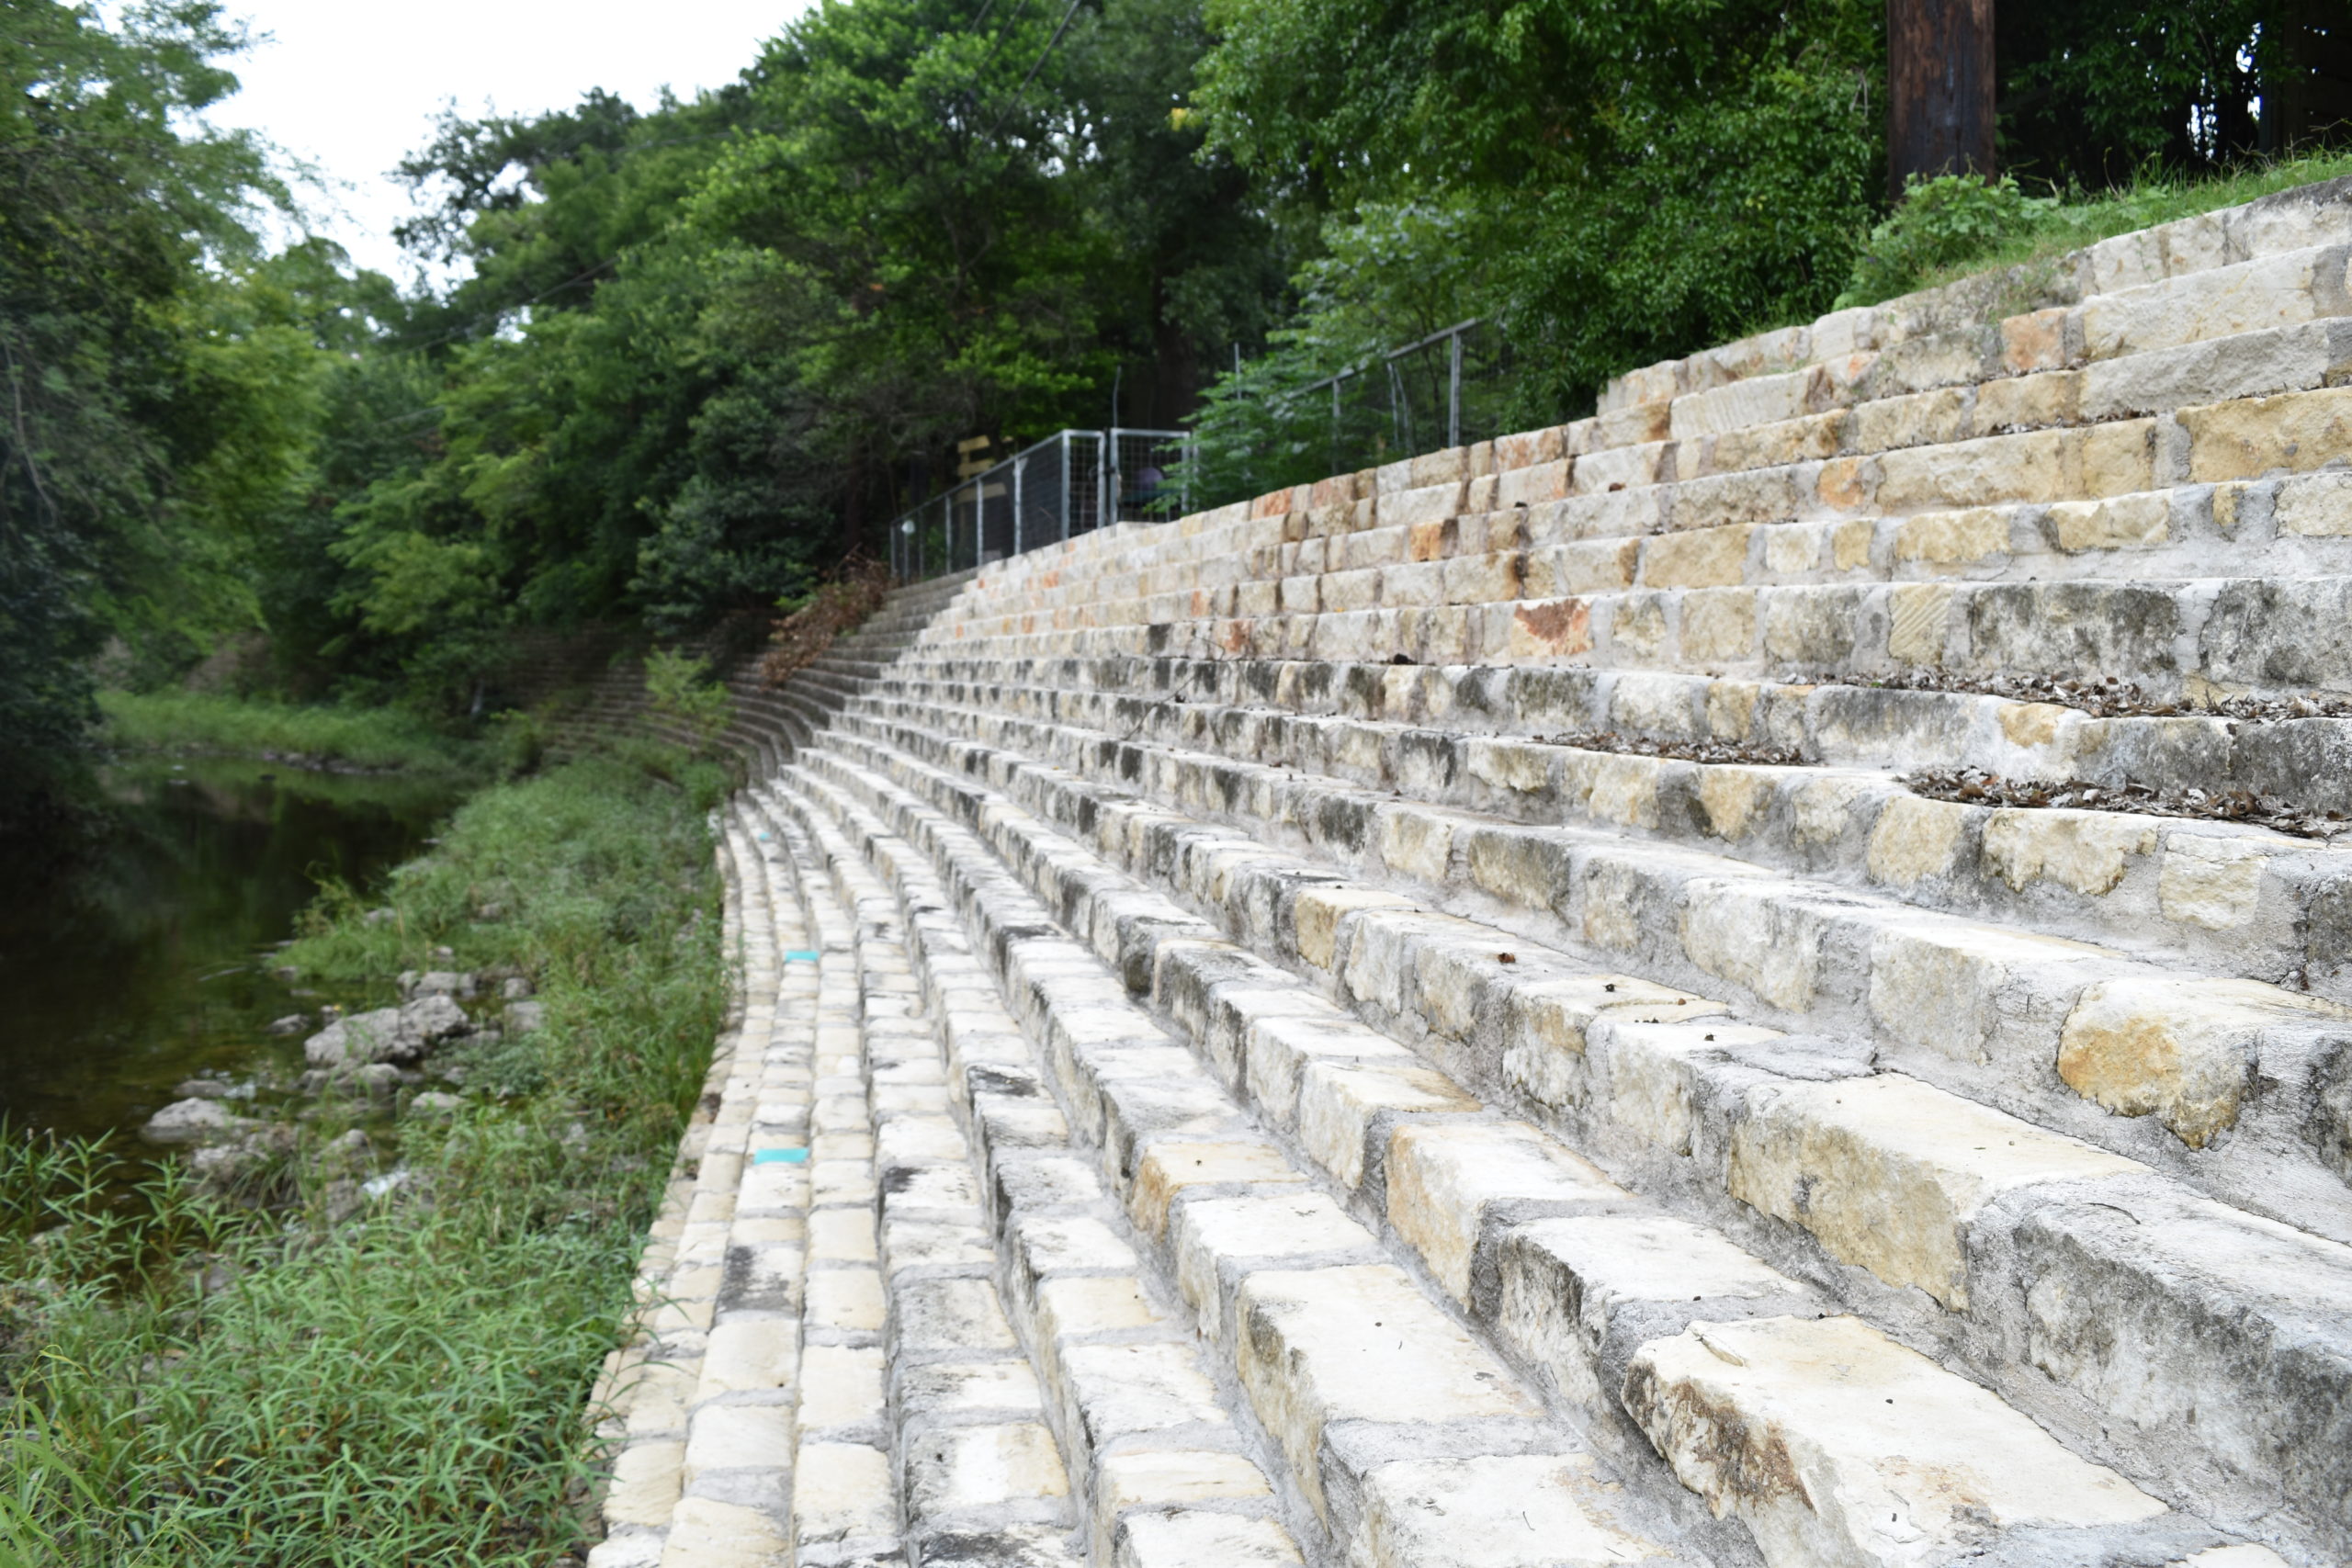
679, 688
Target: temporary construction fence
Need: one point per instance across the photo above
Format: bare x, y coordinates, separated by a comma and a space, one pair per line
1071, 483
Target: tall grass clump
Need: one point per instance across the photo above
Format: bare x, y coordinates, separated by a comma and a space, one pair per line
207, 721
191, 1380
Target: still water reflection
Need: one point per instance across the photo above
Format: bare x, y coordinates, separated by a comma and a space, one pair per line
144, 962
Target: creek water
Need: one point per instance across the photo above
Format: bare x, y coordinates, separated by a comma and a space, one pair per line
144, 959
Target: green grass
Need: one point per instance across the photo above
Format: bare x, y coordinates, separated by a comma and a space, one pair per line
2053, 226
201, 721
410, 1387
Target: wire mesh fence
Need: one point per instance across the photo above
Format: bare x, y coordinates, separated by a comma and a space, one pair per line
1071, 483
1270, 427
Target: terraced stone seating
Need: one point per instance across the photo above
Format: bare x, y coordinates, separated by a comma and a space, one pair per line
1418, 1020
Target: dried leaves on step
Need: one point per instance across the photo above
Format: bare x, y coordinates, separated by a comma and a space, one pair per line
1678, 751
1974, 786
2109, 697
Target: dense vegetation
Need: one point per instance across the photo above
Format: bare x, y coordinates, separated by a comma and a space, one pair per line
187, 1381
702, 350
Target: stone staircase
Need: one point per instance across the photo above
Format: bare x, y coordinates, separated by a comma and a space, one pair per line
1320, 1032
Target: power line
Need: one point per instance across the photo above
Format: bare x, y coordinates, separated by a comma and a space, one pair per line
1040, 64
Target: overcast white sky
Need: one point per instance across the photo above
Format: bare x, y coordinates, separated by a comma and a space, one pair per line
354, 88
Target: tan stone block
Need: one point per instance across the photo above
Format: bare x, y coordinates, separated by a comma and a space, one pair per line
2122, 523
737, 1437
645, 1485
1554, 628
1337, 1104
1528, 447
841, 1385
841, 1235
1415, 842
841, 1491
751, 1354
1705, 557
1194, 1538
1170, 1478
2036, 340
2181, 1050
1531, 485
2117, 458
2252, 437
1319, 910
1918, 622
2089, 852
2035, 466
1441, 1177
1953, 538
1360, 1343
1482, 578
2029, 402
956, 1469
1624, 790
1935, 981
2319, 507
1747, 933
1845, 483
1917, 419
1835, 1445
1887, 1172
1454, 1512
707, 1533
1171, 1165
1915, 839
846, 1298
2210, 881
1637, 626
1850, 544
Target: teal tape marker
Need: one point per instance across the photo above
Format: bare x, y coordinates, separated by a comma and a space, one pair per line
779, 1157
791, 954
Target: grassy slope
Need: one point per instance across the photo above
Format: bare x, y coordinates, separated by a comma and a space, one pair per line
409, 1388
2146, 202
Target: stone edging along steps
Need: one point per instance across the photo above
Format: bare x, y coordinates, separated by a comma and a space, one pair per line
1226, 1075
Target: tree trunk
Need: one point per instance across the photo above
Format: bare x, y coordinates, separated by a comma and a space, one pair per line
1939, 116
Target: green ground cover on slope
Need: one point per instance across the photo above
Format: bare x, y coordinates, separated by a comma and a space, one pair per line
189, 1381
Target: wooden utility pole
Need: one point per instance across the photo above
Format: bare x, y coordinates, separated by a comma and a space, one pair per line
1939, 89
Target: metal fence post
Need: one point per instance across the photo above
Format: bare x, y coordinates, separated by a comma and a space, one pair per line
1454, 391
1020, 467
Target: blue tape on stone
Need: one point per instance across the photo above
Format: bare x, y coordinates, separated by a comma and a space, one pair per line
778, 1156
792, 953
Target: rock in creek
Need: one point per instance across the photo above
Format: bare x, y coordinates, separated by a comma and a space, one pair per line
194, 1121
292, 1023
436, 982
400, 1034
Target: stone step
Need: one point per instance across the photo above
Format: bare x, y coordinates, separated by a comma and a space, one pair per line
1916, 1196
2146, 1059
700, 1469
2306, 763
2190, 640
2247, 900
1163, 1476
1291, 1289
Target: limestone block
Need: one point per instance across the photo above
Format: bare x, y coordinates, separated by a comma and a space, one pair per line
737, 1437
1551, 628
1918, 622
1987, 471
958, 1391
1840, 1449
846, 1298
748, 1354
1168, 1479
1427, 503
1916, 840
2183, 1050
1718, 627
1190, 1538
1543, 1053
2114, 459
1618, 467
1112, 1391
2117, 522
1091, 1304
1415, 842
1953, 539
1758, 495
2212, 881
1298, 1227
1937, 982
1887, 1171
1514, 1511
645, 1483
840, 1492
1755, 936
1172, 1165
1532, 483
1811, 628
2086, 851
1443, 1176
841, 1385
1563, 1281
841, 1235
2030, 403
1652, 1073
2270, 291
1278, 1050
2317, 507
1529, 447
1317, 1347
1778, 444
956, 1470
1703, 557
2252, 437
1319, 910
1637, 626
1920, 418
950, 1314
1336, 1105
